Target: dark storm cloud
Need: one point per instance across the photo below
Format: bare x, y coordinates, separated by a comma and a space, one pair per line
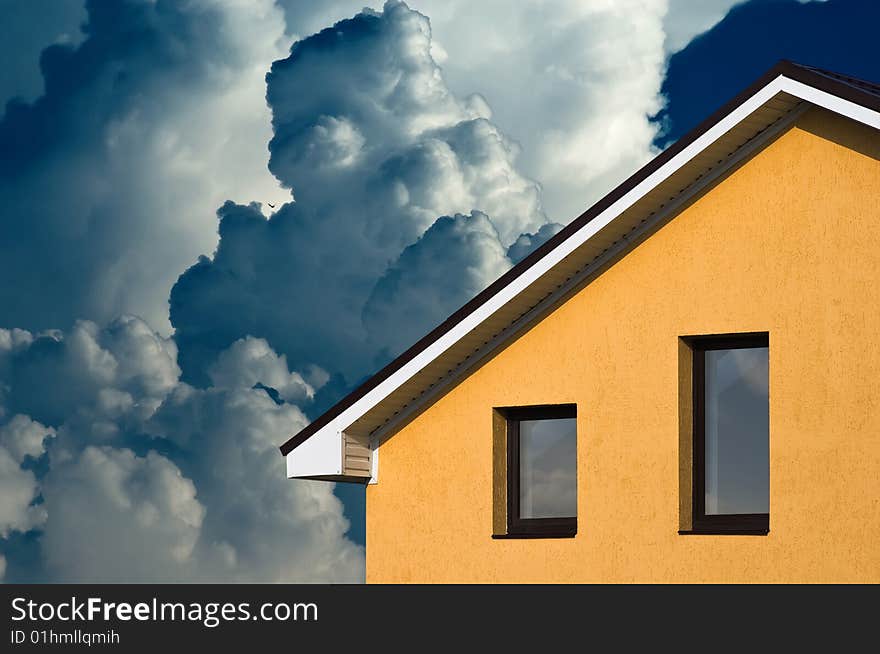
26, 29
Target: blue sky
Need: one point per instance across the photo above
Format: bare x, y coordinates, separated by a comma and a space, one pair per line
163, 329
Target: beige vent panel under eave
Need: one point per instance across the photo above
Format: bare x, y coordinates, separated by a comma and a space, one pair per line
357, 458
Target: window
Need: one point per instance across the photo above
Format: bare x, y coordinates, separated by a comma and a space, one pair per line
731, 449
542, 470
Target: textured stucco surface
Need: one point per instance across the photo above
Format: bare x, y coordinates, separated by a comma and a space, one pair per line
790, 244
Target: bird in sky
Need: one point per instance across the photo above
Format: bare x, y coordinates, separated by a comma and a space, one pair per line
271, 206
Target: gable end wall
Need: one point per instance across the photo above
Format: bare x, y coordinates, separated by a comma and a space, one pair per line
790, 244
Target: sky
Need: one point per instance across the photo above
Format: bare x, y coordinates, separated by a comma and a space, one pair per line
219, 216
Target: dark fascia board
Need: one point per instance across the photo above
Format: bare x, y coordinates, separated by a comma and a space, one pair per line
857, 91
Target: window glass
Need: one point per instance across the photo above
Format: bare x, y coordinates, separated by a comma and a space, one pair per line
548, 468
737, 431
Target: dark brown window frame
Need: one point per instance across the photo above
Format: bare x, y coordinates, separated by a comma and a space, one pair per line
742, 523
532, 527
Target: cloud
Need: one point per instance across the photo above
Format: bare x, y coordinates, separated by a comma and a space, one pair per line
18, 490
592, 71
91, 378
109, 180
573, 82
251, 361
259, 526
453, 261
26, 29
687, 19
116, 516
376, 148
524, 245
22, 437
134, 475
161, 81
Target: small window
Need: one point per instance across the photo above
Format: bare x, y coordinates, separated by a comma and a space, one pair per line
731, 450
542, 470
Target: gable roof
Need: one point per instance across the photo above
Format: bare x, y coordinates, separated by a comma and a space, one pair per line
588, 244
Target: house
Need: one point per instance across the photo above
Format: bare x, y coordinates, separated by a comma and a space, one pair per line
680, 386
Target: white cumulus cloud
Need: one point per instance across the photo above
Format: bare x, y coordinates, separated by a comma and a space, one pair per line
146, 478
376, 147
115, 516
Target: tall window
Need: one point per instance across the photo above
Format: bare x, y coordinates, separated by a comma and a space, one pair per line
542, 470
731, 479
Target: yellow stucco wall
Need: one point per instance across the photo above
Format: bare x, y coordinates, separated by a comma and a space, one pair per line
790, 244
